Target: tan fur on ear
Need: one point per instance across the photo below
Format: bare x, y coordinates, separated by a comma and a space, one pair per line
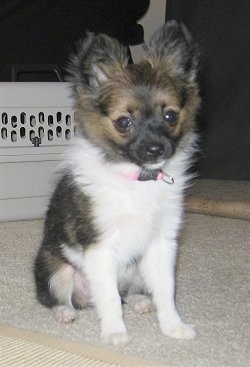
173, 44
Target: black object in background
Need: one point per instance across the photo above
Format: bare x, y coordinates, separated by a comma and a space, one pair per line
222, 28
43, 32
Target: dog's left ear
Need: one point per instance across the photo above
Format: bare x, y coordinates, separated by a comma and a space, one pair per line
173, 44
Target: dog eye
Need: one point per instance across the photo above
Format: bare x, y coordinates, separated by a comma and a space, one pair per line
170, 117
123, 124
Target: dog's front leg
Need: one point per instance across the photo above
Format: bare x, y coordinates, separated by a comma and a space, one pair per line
158, 270
101, 271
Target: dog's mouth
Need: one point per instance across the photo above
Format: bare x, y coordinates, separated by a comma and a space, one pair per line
153, 166
149, 157
151, 172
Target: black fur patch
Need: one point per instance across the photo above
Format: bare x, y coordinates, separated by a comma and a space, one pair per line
68, 222
69, 216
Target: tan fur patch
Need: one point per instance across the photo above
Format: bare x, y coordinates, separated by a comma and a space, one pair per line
131, 92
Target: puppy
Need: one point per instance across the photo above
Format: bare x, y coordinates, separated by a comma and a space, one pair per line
112, 222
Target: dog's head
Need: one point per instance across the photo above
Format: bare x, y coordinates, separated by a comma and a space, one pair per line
137, 112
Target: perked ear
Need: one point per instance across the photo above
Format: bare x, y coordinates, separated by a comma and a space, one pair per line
89, 66
173, 44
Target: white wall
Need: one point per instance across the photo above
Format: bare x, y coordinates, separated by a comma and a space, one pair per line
153, 19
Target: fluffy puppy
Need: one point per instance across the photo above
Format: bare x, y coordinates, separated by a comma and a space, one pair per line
112, 222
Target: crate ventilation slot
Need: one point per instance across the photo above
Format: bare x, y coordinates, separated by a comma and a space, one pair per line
37, 129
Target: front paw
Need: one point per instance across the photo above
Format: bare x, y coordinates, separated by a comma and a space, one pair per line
179, 331
117, 339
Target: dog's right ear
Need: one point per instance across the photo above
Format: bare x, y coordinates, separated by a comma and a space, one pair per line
96, 55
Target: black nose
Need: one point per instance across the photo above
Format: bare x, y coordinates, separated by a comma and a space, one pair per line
155, 150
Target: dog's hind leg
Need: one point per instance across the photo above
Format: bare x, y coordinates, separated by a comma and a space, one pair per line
133, 291
61, 285
71, 289
140, 303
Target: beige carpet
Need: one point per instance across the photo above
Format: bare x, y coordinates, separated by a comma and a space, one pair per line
212, 292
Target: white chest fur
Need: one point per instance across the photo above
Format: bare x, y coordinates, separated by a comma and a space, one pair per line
128, 214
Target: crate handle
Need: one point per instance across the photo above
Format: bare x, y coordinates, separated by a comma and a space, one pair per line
36, 141
19, 69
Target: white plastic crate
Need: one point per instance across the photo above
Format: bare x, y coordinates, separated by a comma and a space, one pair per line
36, 124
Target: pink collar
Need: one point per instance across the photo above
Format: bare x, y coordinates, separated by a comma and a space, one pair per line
148, 175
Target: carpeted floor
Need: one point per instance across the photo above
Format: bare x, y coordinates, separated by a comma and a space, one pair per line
212, 293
